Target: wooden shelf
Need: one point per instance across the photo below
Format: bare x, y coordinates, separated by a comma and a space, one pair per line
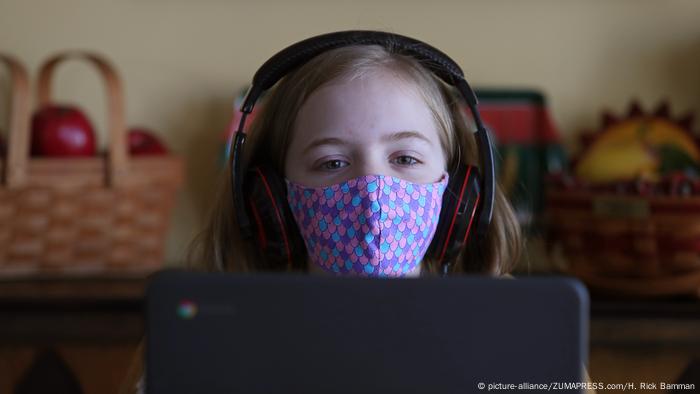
44, 311
74, 290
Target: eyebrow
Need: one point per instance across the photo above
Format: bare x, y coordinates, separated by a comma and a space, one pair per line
400, 135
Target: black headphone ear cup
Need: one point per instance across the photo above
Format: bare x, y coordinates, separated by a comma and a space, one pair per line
275, 231
459, 205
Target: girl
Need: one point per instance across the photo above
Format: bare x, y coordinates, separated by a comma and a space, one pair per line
349, 112
348, 122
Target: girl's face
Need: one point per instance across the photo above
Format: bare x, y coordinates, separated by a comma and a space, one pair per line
378, 124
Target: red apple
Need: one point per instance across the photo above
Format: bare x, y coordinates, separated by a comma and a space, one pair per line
62, 131
144, 142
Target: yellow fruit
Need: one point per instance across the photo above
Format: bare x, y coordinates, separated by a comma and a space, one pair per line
626, 150
615, 162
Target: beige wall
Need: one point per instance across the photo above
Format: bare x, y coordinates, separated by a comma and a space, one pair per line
183, 60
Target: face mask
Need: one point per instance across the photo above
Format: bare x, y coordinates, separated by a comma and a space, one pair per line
374, 225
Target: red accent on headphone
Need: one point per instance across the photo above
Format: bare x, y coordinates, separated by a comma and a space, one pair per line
454, 217
279, 219
261, 229
471, 218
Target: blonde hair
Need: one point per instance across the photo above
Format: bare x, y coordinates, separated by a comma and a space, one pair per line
219, 246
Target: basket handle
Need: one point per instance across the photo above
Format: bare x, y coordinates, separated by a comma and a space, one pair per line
18, 134
117, 150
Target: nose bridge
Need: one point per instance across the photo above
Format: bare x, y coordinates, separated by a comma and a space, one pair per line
369, 161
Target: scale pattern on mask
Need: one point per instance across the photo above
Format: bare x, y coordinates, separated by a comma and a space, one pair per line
373, 225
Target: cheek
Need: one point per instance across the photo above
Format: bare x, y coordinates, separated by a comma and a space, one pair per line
437, 169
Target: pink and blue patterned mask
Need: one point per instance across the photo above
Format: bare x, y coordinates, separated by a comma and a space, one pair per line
373, 225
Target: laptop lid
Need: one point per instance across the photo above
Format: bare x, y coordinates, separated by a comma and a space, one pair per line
274, 333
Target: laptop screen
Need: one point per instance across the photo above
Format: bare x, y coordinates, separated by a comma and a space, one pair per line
274, 333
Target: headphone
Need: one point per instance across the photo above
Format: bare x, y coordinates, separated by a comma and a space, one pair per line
260, 193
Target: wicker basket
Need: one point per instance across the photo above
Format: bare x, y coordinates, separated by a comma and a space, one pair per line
628, 245
81, 216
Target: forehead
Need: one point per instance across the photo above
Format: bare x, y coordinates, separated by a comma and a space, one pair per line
365, 108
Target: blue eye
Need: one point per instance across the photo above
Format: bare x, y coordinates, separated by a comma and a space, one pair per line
333, 164
405, 160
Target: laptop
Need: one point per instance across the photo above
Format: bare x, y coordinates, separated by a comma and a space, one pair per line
285, 333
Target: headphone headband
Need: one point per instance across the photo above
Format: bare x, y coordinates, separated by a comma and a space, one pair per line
301, 52
297, 54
